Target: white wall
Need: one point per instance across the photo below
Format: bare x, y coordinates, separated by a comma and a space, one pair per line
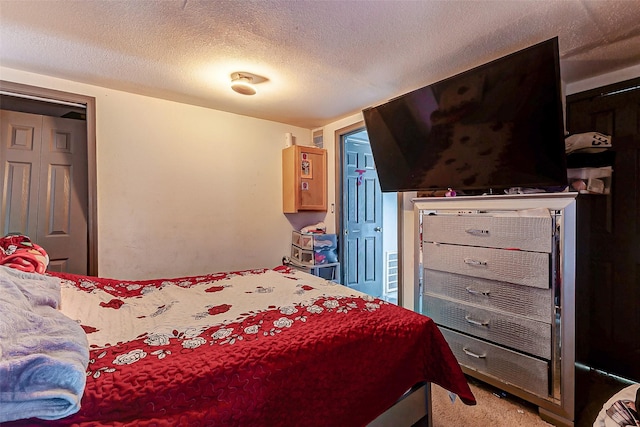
182, 190
389, 222
603, 80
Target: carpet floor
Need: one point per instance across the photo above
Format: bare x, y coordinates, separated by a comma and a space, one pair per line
494, 409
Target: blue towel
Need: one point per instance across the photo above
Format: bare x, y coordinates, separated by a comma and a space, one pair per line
43, 353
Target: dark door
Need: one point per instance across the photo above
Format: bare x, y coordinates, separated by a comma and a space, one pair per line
362, 217
608, 241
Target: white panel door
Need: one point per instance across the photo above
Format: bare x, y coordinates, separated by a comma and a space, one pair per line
43, 168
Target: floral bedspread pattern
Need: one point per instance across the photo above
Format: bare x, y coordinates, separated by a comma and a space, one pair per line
251, 348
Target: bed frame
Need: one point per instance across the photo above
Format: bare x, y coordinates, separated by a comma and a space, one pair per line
412, 409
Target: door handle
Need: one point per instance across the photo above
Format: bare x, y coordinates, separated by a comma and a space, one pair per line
377, 229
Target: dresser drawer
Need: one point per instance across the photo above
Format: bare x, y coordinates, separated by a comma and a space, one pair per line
521, 267
525, 233
517, 332
527, 301
505, 365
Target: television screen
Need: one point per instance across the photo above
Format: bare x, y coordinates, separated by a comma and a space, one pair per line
496, 126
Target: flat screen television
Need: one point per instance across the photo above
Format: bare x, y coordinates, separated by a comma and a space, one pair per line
491, 128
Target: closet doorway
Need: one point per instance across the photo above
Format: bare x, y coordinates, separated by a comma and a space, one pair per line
608, 250
47, 173
367, 220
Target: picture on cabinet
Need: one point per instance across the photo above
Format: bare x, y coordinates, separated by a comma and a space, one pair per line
306, 166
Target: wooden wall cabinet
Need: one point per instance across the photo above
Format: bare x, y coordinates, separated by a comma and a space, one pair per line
304, 179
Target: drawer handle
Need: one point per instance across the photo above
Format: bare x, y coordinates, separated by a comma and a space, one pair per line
471, 261
476, 322
472, 354
474, 292
477, 232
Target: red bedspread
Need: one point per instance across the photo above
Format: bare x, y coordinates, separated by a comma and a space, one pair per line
254, 348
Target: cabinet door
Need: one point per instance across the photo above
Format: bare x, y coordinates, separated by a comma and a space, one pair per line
313, 179
304, 179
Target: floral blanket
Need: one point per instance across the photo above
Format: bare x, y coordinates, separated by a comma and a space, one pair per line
250, 348
19, 252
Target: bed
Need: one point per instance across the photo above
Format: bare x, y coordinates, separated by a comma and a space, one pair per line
273, 347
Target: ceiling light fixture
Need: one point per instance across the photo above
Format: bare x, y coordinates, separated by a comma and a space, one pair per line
242, 84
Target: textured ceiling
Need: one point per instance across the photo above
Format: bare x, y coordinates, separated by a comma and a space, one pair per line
320, 60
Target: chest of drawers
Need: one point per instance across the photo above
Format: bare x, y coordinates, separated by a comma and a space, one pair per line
478, 271
491, 275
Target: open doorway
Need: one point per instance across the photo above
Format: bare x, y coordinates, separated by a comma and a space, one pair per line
368, 220
68, 148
